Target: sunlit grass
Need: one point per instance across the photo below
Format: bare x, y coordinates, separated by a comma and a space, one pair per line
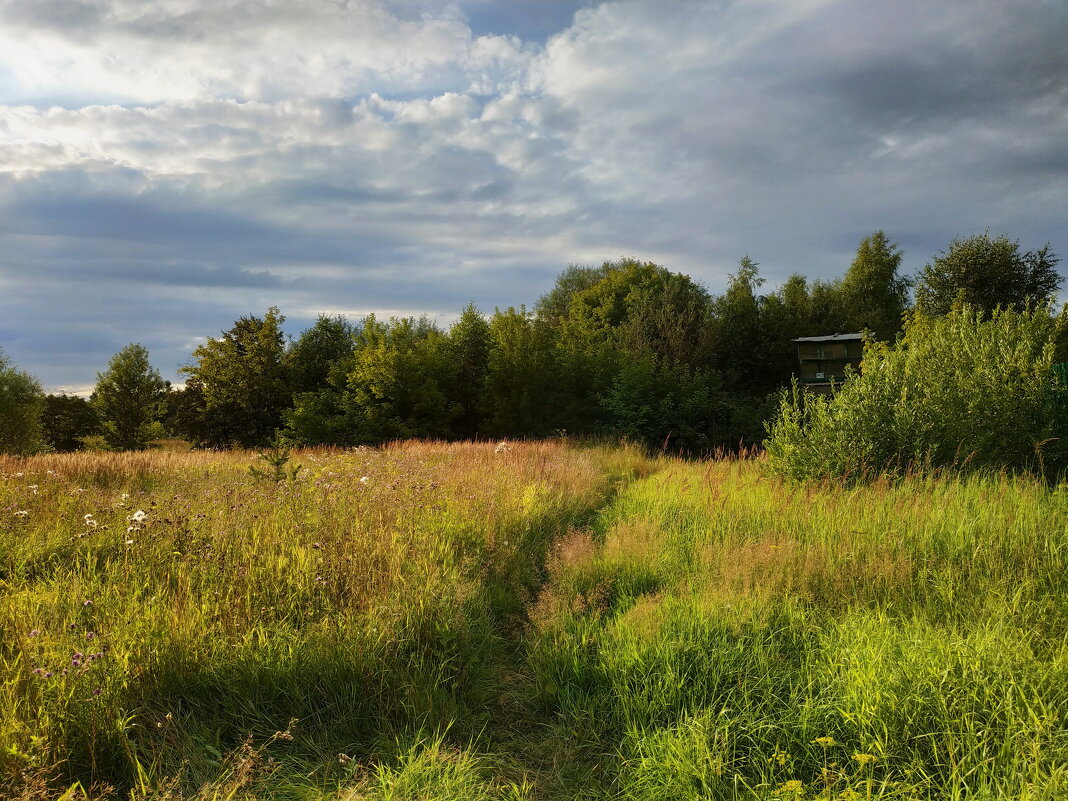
531, 621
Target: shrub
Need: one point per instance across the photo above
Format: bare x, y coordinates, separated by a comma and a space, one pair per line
964, 391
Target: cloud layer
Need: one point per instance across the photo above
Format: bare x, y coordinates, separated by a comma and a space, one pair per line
168, 166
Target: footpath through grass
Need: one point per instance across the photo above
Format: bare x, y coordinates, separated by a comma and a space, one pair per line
526, 622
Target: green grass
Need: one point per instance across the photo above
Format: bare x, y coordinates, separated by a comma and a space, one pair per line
536, 621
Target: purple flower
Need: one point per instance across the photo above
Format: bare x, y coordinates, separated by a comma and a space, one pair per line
34, 633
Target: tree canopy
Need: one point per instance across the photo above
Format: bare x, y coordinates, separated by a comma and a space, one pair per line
128, 398
985, 273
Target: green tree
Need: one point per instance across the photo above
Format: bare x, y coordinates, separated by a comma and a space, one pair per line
67, 419
239, 381
521, 375
317, 351
468, 347
985, 273
128, 398
396, 388
21, 403
873, 295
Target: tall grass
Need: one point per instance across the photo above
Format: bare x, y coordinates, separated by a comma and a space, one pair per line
728, 635
534, 621
158, 609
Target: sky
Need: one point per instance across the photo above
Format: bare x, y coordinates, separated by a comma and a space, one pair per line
167, 166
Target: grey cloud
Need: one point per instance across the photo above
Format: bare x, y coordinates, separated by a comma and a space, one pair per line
686, 133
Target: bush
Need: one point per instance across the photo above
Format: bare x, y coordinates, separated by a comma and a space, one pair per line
964, 391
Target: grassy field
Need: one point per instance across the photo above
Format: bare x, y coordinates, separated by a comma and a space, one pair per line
531, 621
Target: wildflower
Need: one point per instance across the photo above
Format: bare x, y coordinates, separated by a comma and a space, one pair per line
89, 635
34, 632
87, 602
792, 786
364, 479
125, 496
128, 542
138, 516
826, 742
343, 759
864, 759
22, 513
33, 488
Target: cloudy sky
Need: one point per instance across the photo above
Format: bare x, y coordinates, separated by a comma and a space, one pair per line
169, 165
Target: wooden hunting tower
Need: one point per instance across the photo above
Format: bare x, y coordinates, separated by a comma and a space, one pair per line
824, 359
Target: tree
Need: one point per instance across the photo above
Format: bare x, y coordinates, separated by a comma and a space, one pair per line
317, 351
395, 389
66, 420
521, 375
873, 296
469, 344
128, 400
21, 403
240, 382
986, 273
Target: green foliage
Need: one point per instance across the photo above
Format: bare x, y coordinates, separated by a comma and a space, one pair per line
310, 360
239, 384
986, 273
397, 386
468, 348
964, 391
128, 398
873, 295
21, 404
521, 375
67, 420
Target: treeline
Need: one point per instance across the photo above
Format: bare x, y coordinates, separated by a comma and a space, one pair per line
627, 349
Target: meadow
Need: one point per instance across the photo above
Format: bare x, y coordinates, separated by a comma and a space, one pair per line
525, 621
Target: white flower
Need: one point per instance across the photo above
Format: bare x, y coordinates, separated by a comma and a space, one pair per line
138, 516
125, 496
33, 488
22, 513
90, 523
88, 517
129, 542
365, 479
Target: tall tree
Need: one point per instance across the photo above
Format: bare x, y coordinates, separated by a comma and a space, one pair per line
317, 351
521, 389
21, 403
128, 398
469, 344
873, 295
396, 388
240, 381
67, 419
985, 273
